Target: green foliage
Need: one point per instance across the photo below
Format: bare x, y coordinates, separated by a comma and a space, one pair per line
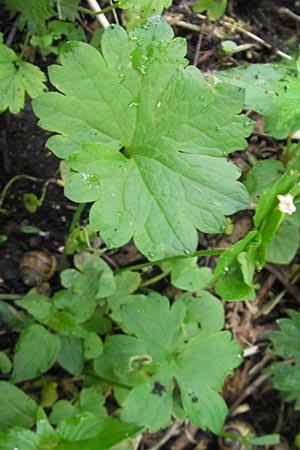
144, 8
235, 269
136, 128
164, 343
286, 344
35, 340
34, 13
17, 77
16, 408
285, 243
146, 140
214, 8
186, 275
271, 90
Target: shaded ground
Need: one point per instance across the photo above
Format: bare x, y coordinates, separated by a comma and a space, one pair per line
22, 151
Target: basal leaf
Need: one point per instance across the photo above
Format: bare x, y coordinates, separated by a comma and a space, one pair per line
161, 348
17, 77
146, 142
35, 352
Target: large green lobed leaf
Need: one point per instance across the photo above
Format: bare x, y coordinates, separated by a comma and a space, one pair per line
166, 343
147, 138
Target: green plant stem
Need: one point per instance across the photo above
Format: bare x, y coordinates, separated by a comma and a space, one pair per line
88, 11
10, 183
199, 253
30, 178
25, 45
153, 280
10, 297
76, 216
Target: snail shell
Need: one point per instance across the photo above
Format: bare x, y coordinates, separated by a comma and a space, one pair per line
238, 428
36, 267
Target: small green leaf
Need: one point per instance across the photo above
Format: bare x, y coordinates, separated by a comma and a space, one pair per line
30, 229
93, 346
215, 8
268, 439
228, 46
126, 284
35, 352
31, 202
186, 274
232, 284
284, 245
5, 363
47, 313
62, 410
262, 176
16, 78
287, 345
46, 434
70, 356
16, 408
135, 128
91, 400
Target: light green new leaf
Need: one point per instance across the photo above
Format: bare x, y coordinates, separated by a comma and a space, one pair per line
146, 137
16, 78
215, 8
36, 351
16, 408
161, 343
33, 12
